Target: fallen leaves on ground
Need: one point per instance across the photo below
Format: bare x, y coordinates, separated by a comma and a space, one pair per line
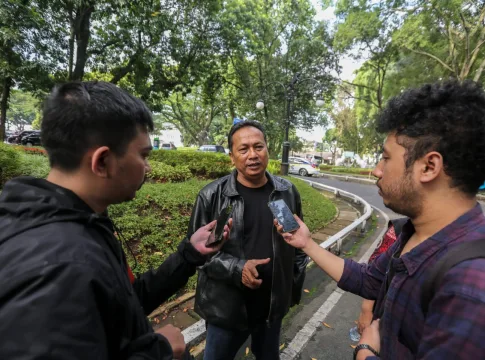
306, 290
325, 324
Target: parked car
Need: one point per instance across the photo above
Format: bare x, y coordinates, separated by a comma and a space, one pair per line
213, 148
168, 146
16, 139
31, 139
302, 167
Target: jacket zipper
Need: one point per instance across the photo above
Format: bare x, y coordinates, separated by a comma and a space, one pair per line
268, 323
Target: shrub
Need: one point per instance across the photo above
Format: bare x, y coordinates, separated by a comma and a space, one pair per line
9, 163
274, 167
162, 172
32, 150
34, 165
201, 164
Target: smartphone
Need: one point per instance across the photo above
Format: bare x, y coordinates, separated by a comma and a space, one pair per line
217, 233
283, 214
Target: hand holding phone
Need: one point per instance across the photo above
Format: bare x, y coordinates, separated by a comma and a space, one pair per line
283, 214
217, 233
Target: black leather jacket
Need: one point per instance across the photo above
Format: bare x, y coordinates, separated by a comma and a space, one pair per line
219, 297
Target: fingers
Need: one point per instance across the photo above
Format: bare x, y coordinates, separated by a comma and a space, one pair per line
253, 271
210, 225
261, 261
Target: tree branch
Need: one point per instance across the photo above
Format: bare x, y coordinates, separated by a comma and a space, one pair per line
446, 66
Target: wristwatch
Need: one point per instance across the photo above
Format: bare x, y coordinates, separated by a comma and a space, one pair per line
364, 346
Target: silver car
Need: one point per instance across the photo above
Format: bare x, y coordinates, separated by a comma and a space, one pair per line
302, 167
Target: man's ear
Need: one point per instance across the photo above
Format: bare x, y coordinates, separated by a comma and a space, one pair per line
430, 166
232, 157
102, 162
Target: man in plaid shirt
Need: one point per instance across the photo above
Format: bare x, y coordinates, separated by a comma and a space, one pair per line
432, 166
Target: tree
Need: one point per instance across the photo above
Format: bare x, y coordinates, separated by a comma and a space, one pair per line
23, 109
332, 142
24, 59
449, 32
192, 114
267, 43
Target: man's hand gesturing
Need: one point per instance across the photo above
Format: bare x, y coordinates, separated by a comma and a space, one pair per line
250, 273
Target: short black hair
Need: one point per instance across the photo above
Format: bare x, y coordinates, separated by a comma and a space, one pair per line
447, 117
80, 115
241, 125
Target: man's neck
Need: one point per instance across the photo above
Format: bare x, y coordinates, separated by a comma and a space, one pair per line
439, 213
252, 183
75, 184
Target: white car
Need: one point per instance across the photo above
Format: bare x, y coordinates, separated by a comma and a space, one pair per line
302, 167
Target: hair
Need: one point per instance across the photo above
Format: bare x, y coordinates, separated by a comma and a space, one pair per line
447, 117
80, 115
241, 125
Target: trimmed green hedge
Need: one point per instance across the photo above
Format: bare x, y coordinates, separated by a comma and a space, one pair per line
9, 163
201, 164
162, 172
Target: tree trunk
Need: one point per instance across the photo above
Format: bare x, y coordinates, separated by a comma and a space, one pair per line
71, 43
83, 33
7, 86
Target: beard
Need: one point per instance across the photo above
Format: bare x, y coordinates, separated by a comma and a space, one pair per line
403, 197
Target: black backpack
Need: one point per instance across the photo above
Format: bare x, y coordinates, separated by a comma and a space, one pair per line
457, 254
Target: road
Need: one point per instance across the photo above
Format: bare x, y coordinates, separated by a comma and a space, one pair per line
368, 192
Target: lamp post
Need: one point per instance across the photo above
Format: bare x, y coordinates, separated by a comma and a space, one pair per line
290, 97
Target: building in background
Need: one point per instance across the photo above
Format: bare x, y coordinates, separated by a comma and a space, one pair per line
169, 134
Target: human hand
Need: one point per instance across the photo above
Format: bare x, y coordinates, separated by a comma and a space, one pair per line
200, 237
299, 238
250, 273
365, 317
371, 336
175, 338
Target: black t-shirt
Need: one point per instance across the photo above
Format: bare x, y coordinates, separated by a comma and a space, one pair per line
258, 244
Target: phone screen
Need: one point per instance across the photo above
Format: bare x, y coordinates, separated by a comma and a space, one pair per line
283, 214
217, 233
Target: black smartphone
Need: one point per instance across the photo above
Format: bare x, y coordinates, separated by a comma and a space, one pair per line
217, 233
283, 214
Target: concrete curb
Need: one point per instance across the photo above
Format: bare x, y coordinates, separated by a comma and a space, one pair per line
348, 178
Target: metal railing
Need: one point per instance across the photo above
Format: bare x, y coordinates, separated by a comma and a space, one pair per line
337, 238
194, 333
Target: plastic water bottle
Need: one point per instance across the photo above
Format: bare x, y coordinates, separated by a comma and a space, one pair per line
354, 334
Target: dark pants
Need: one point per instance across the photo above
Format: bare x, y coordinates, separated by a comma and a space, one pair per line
223, 344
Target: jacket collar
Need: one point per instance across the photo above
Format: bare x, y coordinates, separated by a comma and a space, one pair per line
230, 186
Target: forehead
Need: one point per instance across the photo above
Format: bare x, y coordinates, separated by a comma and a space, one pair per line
391, 144
247, 134
141, 140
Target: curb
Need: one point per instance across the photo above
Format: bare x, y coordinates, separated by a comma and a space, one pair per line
349, 178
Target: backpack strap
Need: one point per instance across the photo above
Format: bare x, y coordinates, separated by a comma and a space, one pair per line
456, 254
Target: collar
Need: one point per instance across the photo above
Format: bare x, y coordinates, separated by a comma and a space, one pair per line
458, 228
278, 183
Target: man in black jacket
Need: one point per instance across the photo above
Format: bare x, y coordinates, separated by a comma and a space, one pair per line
248, 287
66, 291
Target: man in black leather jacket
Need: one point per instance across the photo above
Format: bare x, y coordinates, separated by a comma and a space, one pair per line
248, 287
66, 290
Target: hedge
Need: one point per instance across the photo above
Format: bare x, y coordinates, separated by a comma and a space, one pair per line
201, 164
345, 170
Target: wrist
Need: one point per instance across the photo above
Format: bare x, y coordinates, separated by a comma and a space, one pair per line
309, 247
363, 354
362, 351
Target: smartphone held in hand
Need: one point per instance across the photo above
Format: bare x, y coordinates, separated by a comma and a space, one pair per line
283, 214
217, 233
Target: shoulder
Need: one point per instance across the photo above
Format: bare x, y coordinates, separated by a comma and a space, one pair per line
466, 279
215, 186
51, 244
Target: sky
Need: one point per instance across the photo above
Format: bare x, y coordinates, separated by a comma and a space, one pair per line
347, 64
